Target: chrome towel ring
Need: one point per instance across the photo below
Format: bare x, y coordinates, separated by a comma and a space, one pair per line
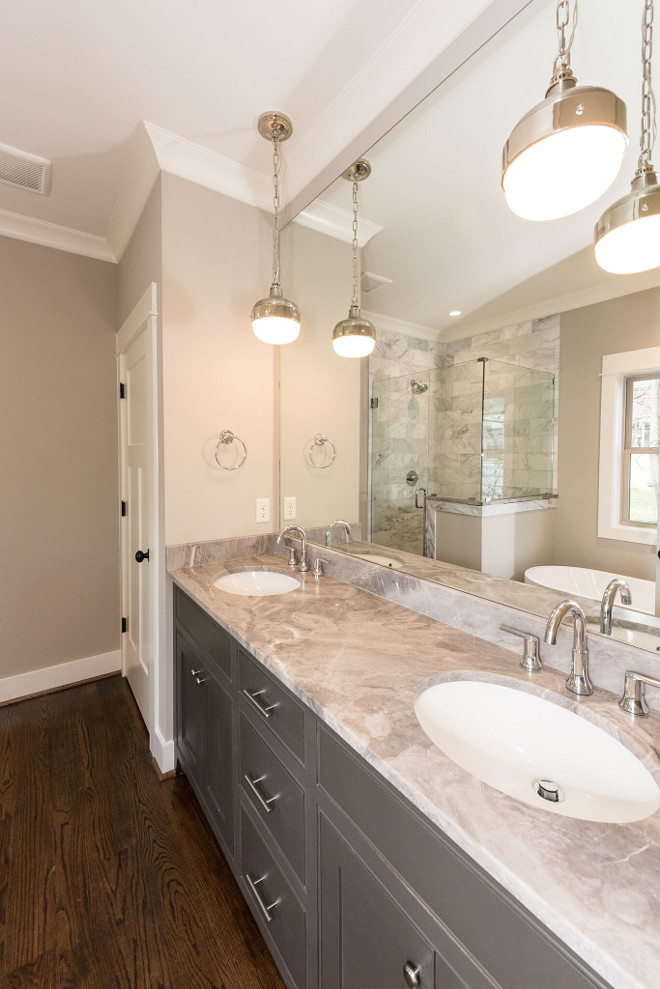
226, 438
320, 441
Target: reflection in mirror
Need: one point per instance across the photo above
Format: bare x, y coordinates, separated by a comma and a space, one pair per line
467, 446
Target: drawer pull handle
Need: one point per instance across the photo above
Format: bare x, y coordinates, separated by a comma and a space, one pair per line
195, 675
266, 911
411, 975
252, 697
264, 801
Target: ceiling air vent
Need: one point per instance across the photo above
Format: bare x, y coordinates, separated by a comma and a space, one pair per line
24, 171
371, 283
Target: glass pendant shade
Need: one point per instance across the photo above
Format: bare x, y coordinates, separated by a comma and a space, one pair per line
565, 153
627, 236
355, 336
276, 320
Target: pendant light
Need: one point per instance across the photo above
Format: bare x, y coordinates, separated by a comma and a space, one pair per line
627, 236
355, 336
275, 319
567, 150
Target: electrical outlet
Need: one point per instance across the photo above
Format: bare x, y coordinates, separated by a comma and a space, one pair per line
263, 509
289, 508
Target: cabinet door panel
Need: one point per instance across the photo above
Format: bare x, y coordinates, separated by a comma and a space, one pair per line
190, 705
219, 771
365, 939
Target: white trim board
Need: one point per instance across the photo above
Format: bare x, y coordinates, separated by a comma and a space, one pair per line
53, 235
63, 675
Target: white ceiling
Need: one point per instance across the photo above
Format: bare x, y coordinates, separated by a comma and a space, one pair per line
79, 78
448, 239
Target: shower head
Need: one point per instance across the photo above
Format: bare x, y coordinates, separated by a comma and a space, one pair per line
417, 388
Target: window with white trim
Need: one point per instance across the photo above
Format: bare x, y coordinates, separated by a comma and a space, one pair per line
629, 446
641, 449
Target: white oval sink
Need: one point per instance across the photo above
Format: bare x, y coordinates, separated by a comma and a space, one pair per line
512, 739
257, 583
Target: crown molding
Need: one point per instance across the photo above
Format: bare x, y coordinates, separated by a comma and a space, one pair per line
46, 234
191, 161
392, 325
336, 222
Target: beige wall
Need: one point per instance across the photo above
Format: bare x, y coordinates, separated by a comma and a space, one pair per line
319, 391
141, 262
216, 374
60, 508
628, 323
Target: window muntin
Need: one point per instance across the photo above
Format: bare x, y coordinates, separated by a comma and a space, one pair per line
641, 450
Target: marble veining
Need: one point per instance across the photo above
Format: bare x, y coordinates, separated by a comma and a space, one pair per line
359, 660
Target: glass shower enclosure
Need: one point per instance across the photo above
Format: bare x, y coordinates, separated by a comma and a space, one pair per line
473, 433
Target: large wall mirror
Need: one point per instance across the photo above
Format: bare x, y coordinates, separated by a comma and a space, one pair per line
467, 448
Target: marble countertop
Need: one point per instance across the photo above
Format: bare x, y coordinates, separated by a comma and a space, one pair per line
359, 660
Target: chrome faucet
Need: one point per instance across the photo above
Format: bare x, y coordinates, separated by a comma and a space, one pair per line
328, 534
300, 534
607, 604
578, 681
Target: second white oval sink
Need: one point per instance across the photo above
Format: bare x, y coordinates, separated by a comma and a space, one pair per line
516, 742
257, 583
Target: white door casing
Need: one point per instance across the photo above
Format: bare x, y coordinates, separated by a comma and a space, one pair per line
137, 380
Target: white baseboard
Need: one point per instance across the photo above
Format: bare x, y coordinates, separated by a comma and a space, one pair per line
162, 750
51, 677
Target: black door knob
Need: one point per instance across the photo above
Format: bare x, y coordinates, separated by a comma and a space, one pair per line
140, 556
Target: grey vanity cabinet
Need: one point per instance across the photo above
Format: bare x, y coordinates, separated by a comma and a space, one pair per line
204, 714
352, 887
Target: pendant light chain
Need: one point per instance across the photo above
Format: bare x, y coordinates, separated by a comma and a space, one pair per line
648, 134
276, 210
356, 301
562, 66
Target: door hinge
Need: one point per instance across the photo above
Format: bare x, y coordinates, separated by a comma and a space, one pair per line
122, 390
124, 624
124, 509
374, 403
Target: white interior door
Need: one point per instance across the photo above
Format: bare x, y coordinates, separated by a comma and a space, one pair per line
135, 347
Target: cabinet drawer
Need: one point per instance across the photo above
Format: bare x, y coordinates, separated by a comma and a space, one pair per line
277, 708
275, 795
273, 901
204, 631
505, 938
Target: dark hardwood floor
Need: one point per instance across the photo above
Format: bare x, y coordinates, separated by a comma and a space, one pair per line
109, 877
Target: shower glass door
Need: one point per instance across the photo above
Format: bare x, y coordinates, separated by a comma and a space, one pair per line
399, 461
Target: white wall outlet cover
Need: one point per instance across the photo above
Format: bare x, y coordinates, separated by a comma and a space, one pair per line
263, 509
289, 508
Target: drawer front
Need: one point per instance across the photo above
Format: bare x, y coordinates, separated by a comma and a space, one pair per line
214, 640
275, 795
511, 945
273, 902
273, 703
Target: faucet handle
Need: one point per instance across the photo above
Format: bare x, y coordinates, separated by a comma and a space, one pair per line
632, 700
531, 657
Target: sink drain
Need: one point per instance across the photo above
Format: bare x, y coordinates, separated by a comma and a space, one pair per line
548, 790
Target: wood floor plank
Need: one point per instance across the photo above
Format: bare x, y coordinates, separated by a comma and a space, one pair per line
109, 877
